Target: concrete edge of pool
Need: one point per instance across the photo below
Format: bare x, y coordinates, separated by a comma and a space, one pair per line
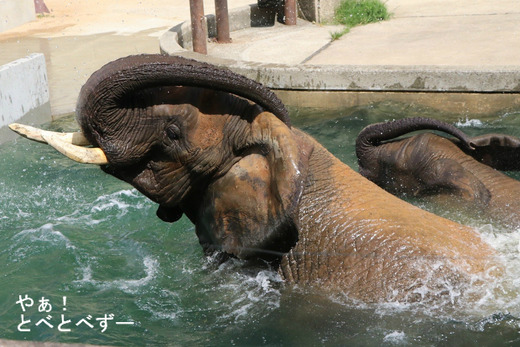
462, 89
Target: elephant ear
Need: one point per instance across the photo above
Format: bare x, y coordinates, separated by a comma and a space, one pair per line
251, 211
501, 152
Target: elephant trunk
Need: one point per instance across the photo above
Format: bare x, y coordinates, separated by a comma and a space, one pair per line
112, 88
125, 94
374, 134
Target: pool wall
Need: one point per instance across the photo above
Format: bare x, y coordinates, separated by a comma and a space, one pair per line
24, 93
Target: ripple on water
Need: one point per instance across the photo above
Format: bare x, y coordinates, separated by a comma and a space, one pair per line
30, 242
150, 268
395, 337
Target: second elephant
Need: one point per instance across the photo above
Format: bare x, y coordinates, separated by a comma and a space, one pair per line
461, 169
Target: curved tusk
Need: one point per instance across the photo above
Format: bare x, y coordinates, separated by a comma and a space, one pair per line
80, 154
32, 133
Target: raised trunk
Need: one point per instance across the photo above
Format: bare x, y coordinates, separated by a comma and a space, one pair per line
354, 235
374, 134
112, 87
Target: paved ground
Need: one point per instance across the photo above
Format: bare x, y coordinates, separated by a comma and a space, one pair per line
435, 32
79, 36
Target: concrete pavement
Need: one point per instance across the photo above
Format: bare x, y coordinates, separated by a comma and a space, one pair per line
476, 33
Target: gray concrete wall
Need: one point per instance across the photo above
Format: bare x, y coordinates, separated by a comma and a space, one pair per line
319, 11
15, 12
24, 93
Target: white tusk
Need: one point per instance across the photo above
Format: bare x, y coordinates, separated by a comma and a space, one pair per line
80, 154
32, 133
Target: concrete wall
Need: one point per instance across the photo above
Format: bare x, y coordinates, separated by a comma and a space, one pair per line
319, 11
15, 12
24, 93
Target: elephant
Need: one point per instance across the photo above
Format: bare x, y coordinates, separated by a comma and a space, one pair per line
217, 147
463, 170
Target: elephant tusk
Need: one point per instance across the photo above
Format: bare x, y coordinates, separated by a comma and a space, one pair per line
32, 133
80, 154
66, 143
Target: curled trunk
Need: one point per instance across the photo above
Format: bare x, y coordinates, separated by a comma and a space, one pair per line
375, 134
112, 89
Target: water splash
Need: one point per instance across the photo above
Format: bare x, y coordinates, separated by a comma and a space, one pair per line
150, 267
246, 291
30, 242
395, 338
469, 123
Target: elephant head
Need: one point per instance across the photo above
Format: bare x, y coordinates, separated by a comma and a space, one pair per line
157, 125
431, 165
217, 147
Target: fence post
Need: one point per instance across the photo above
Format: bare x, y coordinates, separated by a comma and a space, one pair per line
290, 12
198, 27
222, 18
40, 7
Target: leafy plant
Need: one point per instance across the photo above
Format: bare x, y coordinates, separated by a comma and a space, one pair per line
358, 12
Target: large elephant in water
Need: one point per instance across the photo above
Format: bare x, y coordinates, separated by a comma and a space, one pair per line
219, 148
461, 169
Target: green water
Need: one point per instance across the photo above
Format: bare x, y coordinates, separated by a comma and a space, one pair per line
69, 230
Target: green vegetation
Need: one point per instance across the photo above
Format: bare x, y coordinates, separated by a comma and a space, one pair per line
337, 34
358, 12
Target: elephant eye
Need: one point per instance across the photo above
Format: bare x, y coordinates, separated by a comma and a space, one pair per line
173, 132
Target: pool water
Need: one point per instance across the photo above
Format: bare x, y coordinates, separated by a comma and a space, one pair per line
92, 247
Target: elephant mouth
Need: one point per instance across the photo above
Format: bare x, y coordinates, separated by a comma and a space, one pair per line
169, 214
76, 147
